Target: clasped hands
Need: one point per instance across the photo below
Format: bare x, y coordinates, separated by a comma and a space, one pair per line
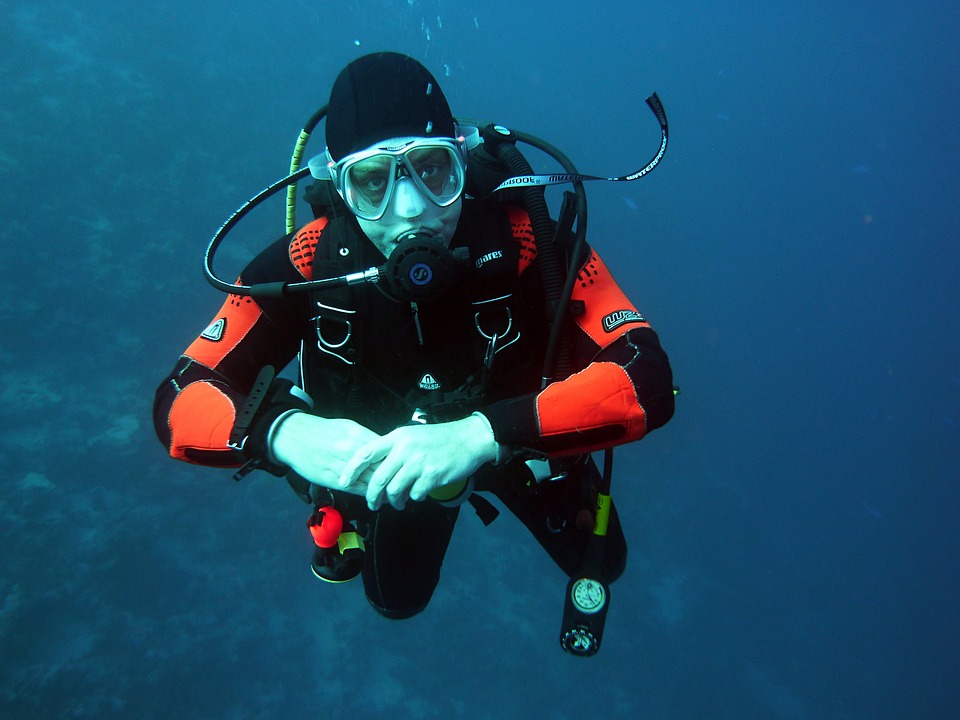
407, 463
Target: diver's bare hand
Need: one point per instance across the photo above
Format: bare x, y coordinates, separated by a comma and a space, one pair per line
318, 449
414, 460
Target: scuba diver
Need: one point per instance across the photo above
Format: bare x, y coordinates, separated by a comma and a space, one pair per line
453, 341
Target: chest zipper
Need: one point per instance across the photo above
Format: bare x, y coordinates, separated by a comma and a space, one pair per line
416, 321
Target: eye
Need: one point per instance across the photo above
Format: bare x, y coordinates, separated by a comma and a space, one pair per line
371, 178
432, 166
373, 184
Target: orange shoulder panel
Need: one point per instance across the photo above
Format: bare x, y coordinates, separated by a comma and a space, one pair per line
523, 234
304, 245
235, 319
201, 418
607, 308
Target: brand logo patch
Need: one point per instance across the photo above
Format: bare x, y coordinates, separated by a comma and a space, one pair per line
428, 382
420, 274
621, 317
495, 255
215, 331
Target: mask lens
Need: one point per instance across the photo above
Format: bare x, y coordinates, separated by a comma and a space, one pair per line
438, 171
366, 184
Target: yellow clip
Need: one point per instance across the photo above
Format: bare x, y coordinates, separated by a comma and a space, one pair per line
349, 541
602, 522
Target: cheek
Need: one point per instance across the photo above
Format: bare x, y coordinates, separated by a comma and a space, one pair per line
450, 216
376, 232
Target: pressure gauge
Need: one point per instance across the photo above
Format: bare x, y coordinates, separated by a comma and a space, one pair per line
588, 596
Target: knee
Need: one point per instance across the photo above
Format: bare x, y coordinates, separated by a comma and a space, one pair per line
398, 613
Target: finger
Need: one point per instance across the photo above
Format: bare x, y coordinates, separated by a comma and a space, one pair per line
381, 478
354, 470
367, 455
377, 487
420, 489
359, 486
398, 491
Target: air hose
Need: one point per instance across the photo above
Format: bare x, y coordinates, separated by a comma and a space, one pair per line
548, 249
295, 162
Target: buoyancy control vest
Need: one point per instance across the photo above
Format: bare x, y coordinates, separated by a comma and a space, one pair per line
377, 359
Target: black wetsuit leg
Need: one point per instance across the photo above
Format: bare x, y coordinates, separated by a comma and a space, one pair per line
404, 553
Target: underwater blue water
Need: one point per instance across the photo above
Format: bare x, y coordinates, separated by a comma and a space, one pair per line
793, 530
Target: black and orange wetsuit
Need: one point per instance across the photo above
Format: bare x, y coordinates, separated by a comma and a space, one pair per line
480, 347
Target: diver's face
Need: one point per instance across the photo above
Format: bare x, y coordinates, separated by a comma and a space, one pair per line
417, 187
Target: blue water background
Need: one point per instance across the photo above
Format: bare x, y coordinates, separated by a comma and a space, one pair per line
793, 531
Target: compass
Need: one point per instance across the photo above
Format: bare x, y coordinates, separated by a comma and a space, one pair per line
580, 641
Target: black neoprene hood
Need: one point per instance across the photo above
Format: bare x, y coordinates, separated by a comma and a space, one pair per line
384, 95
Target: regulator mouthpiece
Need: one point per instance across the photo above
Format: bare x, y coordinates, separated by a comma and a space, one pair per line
421, 270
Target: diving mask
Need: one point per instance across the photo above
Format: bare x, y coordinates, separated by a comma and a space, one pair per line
367, 180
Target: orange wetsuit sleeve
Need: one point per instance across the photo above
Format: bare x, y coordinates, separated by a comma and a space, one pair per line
196, 405
622, 389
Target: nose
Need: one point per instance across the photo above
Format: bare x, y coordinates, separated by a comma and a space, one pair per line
408, 201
